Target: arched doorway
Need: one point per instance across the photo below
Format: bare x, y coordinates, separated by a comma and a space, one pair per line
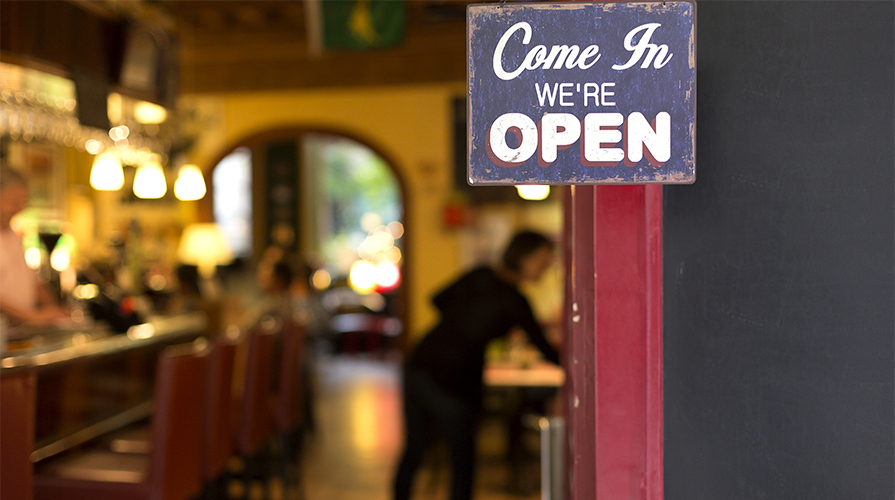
329, 198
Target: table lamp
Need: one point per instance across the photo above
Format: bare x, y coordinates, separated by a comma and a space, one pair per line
204, 246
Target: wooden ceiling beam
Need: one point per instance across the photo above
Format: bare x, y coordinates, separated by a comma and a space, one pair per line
223, 48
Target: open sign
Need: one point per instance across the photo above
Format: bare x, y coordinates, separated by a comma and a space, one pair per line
581, 93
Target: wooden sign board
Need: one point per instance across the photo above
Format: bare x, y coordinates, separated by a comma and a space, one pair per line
581, 93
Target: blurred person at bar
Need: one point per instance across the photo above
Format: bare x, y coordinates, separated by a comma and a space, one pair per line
443, 375
23, 298
188, 293
275, 278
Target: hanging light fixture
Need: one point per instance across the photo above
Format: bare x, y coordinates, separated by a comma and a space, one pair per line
149, 181
107, 174
533, 192
190, 185
148, 113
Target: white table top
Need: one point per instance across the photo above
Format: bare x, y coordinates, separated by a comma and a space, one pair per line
509, 374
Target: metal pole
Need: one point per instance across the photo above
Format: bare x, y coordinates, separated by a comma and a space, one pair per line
552, 456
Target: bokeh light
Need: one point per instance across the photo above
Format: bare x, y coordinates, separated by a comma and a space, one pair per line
362, 277
387, 275
33, 257
321, 279
60, 259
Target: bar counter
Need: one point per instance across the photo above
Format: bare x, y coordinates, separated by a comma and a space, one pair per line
50, 347
88, 382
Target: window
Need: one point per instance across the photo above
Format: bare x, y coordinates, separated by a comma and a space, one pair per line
233, 200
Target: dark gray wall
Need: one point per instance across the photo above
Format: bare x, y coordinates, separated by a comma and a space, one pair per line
779, 303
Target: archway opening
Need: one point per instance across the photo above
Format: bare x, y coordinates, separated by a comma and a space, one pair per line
333, 207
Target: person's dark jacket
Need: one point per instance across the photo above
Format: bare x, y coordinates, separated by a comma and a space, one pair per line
475, 309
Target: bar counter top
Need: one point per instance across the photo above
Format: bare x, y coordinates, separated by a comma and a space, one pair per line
49, 347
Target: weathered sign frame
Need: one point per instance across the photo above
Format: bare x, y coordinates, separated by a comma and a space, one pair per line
595, 93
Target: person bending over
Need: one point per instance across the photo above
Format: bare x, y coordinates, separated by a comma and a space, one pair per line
443, 375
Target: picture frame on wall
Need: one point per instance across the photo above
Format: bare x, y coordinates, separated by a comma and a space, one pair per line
45, 173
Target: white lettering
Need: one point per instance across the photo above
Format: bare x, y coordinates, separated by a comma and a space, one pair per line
562, 53
502, 43
601, 129
558, 131
535, 57
659, 52
598, 133
589, 51
544, 94
606, 93
592, 93
645, 139
563, 93
558, 56
526, 132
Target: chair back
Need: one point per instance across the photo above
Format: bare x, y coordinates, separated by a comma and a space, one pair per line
254, 424
175, 471
17, 392
289, 397
219, 425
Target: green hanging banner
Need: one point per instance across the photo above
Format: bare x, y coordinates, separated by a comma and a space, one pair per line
362, 24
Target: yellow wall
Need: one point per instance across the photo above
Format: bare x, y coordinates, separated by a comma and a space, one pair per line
410, 125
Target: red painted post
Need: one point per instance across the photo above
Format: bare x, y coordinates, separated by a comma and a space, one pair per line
580, 360
615, 370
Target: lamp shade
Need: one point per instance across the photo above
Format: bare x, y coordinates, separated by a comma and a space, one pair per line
190, 185
149, 182
107, 174
533, 192
203, 245
148, 113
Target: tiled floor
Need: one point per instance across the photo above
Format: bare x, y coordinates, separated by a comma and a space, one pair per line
354, 450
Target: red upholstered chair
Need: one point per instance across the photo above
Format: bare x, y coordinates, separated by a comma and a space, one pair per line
173, 468
288, 401
254, 421
219, 423
17, 392
289, 396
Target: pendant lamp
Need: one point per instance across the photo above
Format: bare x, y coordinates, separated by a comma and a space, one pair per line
107, 174
149, 181
190, 185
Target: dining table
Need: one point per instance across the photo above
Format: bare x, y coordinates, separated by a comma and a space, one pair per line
509, 374
522, 389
